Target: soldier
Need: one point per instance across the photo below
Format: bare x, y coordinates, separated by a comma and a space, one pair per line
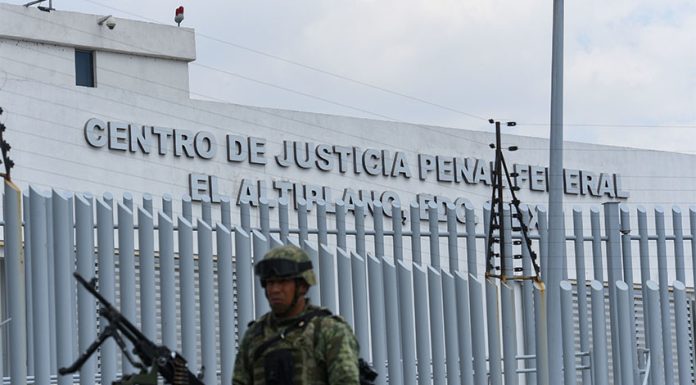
296, 342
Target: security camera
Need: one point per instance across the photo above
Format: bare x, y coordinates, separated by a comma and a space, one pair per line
108, 20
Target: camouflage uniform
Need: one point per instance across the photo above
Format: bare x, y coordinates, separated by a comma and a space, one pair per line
324, 351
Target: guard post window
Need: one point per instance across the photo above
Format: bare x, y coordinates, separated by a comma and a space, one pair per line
84, 68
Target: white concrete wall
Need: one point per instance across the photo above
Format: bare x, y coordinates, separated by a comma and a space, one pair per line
46, 114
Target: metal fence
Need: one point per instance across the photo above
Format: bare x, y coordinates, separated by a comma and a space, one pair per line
421, 315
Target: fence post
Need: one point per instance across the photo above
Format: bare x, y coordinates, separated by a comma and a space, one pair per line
614, 273
657, 363
626, 341
206, 297
146, 257
682, 333
393, 331
599, 335
187, 296
569, 373
63, 233
406, 313
509, 333
414, 210
226, 318
397, 228
377, 316
493, 323
87, 306
437, 335
664, 295
107, 286
542, 353
126, 265
12, 215
420, 289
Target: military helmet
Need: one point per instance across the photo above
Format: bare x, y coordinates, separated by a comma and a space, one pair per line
285, 262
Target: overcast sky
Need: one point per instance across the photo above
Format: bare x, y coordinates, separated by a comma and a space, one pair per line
630, 65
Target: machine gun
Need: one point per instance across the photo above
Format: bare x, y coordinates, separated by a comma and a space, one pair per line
154, 359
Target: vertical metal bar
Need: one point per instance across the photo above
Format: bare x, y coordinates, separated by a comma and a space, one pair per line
315, 293
225, 212
378, 223
420, 290
506, 246
451, 333
406, 322
377, 316
167, 279
582, 291
207, 300
50, 258
146, 244
543, 241
245, 282
486, 230
556, 239
599, 335
644, 252
433, 227
596, 229
147, 203
664, 295
341, 241
362, 328
678, 230
528, 324
628, 278
464, 318
87, 307
107, 284
29, 289
260, 244
452, 246
167, 207
542, 354
63, 245
327, 267
302, 212
569, 373
187, 208
245, 216
625, 339
509, 333
414, 210
391, 312
614, 273
478, 339
188, 294
493, 322
264, 218
692, 226
682, 333
126, 268
470, 225
283, 219
397, 229
657, 363
225, 302
12, 215
437, 339
322, 233
345, 286
360, 229
128, 200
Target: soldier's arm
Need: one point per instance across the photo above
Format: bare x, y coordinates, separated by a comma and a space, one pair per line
242, 374
341, 353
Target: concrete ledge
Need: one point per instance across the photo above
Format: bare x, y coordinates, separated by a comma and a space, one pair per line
81, 30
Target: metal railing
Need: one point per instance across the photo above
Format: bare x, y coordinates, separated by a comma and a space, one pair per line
422, 315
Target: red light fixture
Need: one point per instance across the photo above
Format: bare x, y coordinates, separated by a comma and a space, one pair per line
179, 15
